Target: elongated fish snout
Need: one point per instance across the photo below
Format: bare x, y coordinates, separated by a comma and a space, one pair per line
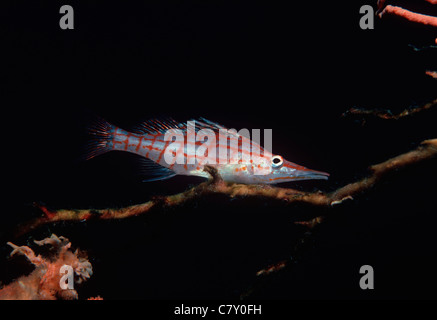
298, 172
289, 172
311, 174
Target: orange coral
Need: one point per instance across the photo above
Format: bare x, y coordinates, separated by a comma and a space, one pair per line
406, 14
44, 282
272, 268
432, 74
409, 15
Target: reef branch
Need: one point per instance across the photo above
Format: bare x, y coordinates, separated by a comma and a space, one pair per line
387, 114
415, 17
432, 74
297, 252
426, 150
409, 15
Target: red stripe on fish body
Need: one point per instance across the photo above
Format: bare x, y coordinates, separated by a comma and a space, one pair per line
237, 158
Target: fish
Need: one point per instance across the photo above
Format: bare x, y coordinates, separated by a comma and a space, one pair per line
239, 160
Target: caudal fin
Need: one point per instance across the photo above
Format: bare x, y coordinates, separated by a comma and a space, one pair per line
102, 133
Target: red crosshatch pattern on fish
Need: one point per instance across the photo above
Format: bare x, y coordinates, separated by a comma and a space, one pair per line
236, 157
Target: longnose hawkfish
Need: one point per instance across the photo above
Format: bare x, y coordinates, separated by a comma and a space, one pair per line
151, 141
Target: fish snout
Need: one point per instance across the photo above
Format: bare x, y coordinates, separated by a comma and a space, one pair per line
311, 174
302, 173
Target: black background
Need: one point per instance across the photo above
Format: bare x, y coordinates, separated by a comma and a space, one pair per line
294, 68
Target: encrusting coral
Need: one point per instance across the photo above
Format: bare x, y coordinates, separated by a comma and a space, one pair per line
43, 283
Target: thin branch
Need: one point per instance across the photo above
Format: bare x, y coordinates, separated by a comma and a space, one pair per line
432, 74
297, 251
409, 15
427, 149
310, 224
387, 114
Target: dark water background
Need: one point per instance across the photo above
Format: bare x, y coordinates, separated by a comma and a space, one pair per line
292, 68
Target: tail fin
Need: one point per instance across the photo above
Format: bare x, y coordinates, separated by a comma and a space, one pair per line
102, 136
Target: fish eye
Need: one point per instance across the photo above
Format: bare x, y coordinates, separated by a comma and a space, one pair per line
277, 161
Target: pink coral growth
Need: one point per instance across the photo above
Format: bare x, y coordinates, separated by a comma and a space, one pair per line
432, 74
44, 282
406, 14
409, 15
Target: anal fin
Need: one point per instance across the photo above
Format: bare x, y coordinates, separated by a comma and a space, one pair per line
154, 171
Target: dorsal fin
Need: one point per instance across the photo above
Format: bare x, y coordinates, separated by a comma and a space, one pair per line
158, 126
162, 125
203, 123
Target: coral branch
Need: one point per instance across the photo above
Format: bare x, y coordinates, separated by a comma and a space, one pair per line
297, 251
406, 14
432, 74
216, 185
387, 114
273, 268
409, 15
